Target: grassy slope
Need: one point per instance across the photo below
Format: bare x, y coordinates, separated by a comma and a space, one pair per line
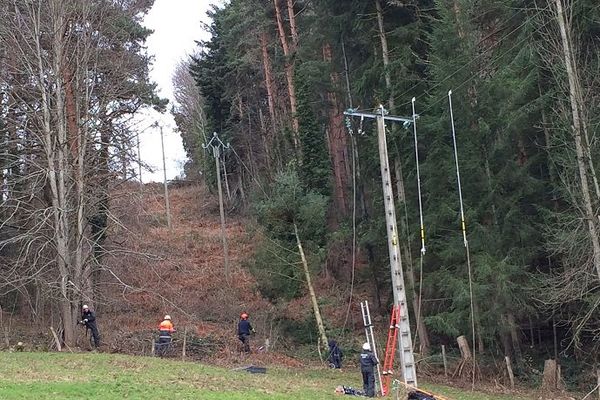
92, 376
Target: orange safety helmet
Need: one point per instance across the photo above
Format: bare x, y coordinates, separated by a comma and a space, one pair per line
244, 316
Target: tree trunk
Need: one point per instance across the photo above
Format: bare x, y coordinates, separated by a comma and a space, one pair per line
311, 291
60, 176
289, 76
371, 258
268, 79
384, 54
338, 142
511, 376
598, 373
514, 336
266, 144
463, 346
577, 134
71, 111
293, 30
551, 377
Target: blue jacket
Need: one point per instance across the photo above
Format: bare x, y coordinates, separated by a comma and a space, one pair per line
244, 327
367, 361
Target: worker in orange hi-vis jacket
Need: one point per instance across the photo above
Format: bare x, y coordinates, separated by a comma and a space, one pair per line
166, 329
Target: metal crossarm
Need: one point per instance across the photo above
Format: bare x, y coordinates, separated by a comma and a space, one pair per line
354, 113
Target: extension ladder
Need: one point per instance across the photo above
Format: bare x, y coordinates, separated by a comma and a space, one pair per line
366, 314
390, 349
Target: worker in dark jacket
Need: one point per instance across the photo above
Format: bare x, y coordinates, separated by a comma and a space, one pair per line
335, 355
368, 361
88, 318
244, 330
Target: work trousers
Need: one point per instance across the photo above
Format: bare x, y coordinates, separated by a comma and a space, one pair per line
95, 335
369, 383
245, 339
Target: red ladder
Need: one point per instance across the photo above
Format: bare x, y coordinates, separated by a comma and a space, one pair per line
390, 350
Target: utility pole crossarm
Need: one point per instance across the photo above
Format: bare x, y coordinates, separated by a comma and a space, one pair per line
353, 113
216, 143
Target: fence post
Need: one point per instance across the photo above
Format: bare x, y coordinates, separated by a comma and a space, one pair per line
445, 361
510, 372
184, 343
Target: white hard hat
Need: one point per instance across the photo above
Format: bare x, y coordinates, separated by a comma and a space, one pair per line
85, 307
167, 316
366, 346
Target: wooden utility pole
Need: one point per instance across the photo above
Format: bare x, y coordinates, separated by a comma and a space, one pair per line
216, 144
405, 349
139, 154
422, 333
168, 208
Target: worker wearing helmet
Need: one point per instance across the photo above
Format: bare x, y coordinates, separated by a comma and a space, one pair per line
244, 330
368, 361
165, 329
88, 319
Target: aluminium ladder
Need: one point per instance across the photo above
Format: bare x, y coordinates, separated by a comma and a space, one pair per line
366, 314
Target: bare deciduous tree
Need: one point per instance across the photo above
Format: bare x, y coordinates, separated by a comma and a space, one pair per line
70, 76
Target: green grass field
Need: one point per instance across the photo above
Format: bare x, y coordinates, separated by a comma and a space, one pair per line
42, 376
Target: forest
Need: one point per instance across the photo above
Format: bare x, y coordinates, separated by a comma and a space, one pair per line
275, 79
499, 241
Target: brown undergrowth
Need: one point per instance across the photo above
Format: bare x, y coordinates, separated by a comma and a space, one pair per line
153, 270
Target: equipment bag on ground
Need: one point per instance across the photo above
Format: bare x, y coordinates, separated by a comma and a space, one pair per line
416, 395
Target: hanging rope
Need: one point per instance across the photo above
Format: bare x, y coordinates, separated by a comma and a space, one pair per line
354, 151
414, 117
353, 144
464, 232
422, 227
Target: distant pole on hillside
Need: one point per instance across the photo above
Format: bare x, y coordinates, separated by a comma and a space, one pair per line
139, 154
168, 208
216, 144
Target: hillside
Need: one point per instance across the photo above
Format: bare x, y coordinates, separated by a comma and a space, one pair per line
154, 270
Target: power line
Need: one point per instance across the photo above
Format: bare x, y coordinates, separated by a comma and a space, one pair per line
250, 172
473, 60
498, 57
